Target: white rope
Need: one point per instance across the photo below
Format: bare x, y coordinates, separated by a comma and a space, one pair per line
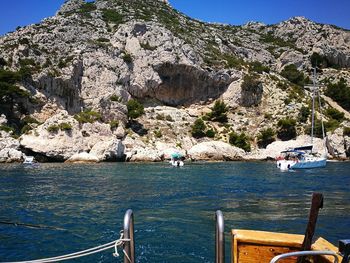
114, 244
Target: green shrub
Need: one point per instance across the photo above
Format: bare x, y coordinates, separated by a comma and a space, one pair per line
266, 137
169, 118
258, 67
88, 116
65, 126
2, 62
286, 129
160, 117
304, 114
240, 140
102, 39
115, 98
87, 8
25, 129
346, 131
210, 133
339, 92
135, 109
147, 46
198, 128
335, 114
218, 112
127, 58
291, 73
318, 61
7, 129
114, 124
53, 128
157, 133
250, 82
112, 16
29, 119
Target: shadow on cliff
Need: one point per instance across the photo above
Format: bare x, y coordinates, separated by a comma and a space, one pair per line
137, 127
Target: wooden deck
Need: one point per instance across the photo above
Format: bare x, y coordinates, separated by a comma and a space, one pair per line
250, 246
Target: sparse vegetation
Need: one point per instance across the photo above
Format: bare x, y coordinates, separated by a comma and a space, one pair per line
147, 46
218, 112
88, 116
266, 137
240, 140
340, 92
127, 58
158, 133
64, 126
334, 114
7, 129
115, 98
286, 129
53, 128
114, 124
198, 128
295, 76
210, 133
258, 67
112, 16
135, 109
304, 114
346, 131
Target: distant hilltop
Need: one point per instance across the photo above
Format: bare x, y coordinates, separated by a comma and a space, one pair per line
137, 80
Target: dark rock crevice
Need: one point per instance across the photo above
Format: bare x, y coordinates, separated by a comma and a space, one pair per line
184, 84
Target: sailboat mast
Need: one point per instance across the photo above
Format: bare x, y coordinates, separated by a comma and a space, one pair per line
313, 105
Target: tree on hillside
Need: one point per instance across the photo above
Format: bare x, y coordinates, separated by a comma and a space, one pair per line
135, 109
286, 129
218, 112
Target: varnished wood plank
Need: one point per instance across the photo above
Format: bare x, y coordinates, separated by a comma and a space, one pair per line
248, 253
322, 244
267, 238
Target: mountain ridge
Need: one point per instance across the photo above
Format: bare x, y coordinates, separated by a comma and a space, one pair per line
96, 56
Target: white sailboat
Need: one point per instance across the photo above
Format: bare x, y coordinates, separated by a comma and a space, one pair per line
303, 157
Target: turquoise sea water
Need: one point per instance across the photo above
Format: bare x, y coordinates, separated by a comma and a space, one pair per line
173, 207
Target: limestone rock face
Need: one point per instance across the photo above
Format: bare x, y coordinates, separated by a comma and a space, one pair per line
98, 55
146, 155
336, 144
9, 149
215, 151
62, 144
251, 96
274, 149
83, 157
69, 6
111, 150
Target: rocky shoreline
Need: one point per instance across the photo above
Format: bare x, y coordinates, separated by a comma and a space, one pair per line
96, 142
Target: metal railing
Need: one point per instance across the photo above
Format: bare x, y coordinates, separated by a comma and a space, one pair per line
219, 237
305, 253
129, 247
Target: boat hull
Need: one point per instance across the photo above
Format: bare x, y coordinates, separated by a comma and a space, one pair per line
307, 164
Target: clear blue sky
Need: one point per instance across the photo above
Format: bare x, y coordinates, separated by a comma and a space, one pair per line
23, 12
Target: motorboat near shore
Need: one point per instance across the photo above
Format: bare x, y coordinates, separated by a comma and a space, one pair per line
177, 160
29, 160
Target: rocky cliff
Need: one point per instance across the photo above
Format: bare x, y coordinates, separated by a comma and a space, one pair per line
66, 82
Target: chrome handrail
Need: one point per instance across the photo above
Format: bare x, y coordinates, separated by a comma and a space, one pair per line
219, 238
305, 253
129, 247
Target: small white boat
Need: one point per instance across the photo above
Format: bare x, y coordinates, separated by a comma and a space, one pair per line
29, 160
177, 160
